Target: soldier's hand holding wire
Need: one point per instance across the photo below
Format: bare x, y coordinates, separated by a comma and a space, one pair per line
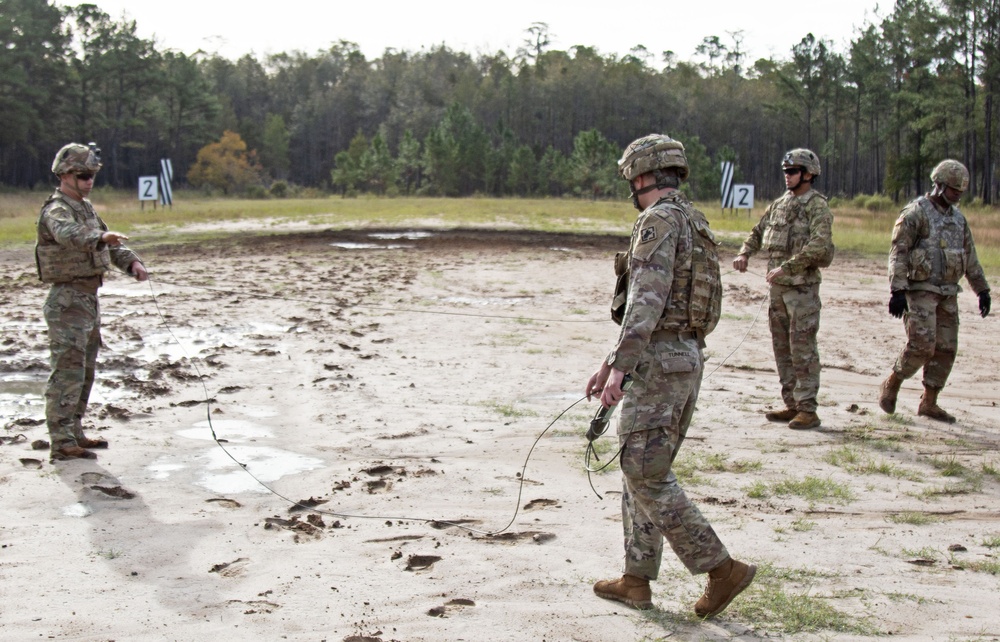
138, 270
984, 303
897, 303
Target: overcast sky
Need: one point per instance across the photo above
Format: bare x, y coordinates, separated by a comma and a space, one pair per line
232, 29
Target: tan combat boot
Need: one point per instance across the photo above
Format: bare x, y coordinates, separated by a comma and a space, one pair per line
90, 444
888, 392
781, 415
804, 420
68, 450
725, 581
631, 590
929, 408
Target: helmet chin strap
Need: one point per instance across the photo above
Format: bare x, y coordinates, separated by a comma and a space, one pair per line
637, 192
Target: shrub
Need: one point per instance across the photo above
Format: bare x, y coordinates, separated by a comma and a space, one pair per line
256, 192
279, 189
879, 203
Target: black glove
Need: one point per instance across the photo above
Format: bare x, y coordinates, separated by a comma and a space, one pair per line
984, 302
897, 303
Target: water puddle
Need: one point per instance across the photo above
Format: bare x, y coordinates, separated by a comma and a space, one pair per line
393, 236
217, 471
77, 510
384, 236
232, 430
266, 464
191, 342
345, 245
22, 394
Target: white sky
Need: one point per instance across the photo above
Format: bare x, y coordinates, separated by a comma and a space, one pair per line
233, 28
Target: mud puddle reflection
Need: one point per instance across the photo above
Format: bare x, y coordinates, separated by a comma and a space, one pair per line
217, 471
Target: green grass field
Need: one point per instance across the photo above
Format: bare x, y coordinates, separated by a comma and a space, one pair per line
856, 230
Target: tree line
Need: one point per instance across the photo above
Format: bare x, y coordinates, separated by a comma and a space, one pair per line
916, 85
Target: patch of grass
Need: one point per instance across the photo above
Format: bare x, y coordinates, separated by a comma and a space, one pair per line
990, 469
803, 525
855, 461
899, 597
813, 489
878, 436
757, 490
965, 487
926, 553
686, 470
992, 541
746, 465
991, 566
772, 605
509, 411
914, 518
949, 467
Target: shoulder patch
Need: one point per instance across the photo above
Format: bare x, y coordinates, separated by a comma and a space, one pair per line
654, 228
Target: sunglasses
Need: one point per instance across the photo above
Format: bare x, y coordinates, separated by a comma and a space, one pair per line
792, 171
85, 176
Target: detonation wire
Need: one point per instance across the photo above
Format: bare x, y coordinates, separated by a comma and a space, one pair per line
434, 522
592, 452
294, 503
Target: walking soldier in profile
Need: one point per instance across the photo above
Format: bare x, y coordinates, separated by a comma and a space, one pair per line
932, 249
669, 298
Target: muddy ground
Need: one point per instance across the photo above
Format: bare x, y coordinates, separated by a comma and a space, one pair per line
366, 386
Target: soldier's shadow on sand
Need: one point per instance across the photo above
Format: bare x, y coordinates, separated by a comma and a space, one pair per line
126, 536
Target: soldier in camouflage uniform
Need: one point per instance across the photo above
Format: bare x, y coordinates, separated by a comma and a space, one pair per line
74, 249
670, 307
932, 249
796, 233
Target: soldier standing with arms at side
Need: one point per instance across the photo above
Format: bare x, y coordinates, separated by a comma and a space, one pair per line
671, 277
73, 251
932, 249
796, 232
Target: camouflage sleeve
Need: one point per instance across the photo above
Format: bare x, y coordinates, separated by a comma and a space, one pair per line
752, 243
820, 243
652, 273
905, 234
973, 270
67, 231
121, 256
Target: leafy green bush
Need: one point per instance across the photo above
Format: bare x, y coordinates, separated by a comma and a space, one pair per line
279, 189
879, 203
256, 192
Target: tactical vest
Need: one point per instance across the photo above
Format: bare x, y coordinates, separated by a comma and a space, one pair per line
60, 264
783, 238
938, 259
696, 291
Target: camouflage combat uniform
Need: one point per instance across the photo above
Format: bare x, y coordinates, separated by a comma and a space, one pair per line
70, 255
931, 251
664, 354
796, 232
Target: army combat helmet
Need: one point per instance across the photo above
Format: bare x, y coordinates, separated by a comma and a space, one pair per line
804, 158
650, 153
653, 153
77, 159
951, 173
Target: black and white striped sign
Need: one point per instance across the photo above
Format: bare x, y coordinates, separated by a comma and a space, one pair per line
726, 188
166, 175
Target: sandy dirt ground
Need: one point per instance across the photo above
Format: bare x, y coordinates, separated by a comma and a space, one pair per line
380, 384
